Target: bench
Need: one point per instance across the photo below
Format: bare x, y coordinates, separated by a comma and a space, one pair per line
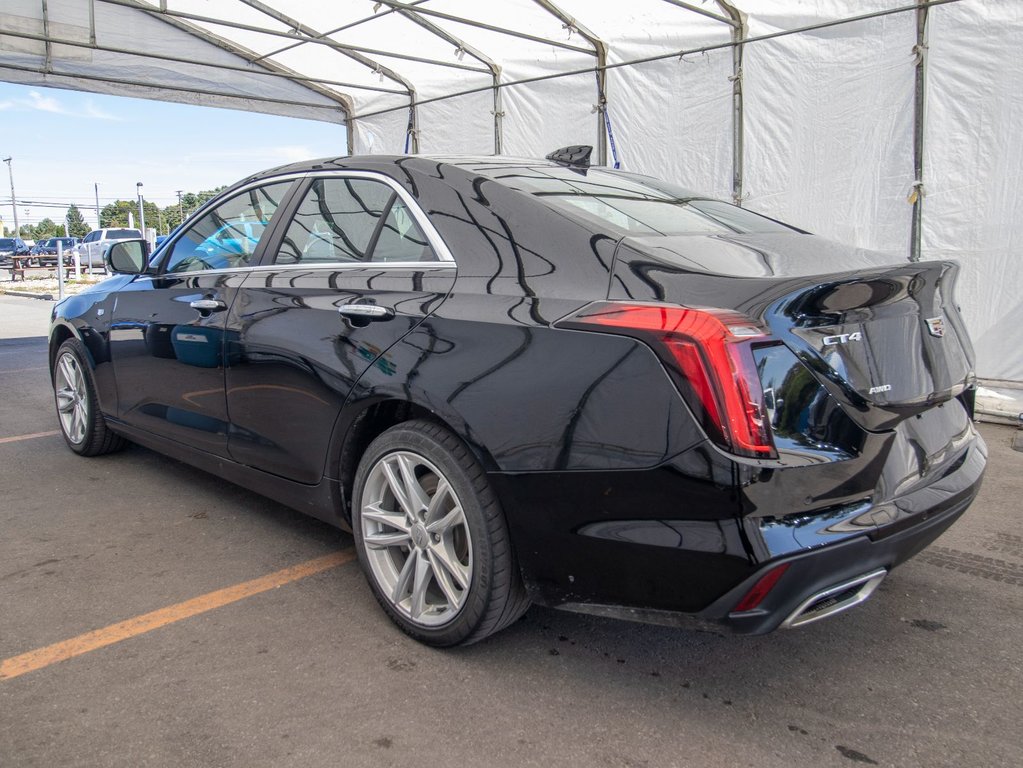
18, 264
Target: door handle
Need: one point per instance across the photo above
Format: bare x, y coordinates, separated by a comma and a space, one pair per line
365, 312
208, 305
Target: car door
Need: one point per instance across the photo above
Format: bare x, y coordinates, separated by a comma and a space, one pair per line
167, 330
355, 267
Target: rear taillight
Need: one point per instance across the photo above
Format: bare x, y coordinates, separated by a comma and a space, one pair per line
759, 591
709, 353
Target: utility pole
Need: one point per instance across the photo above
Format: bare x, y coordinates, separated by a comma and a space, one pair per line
96, 188
181, 215
142, 213
14, 205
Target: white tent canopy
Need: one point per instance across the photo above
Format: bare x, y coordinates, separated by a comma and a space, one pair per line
881, 123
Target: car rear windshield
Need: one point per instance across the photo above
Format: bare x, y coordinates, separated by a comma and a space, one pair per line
6, 242
122, 234
635, 205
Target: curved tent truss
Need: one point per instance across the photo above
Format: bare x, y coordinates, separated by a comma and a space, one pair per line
878, 122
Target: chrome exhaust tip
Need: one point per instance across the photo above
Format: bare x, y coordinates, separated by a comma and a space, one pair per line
834, 599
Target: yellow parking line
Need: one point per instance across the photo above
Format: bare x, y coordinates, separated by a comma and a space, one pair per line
115, 633
16, 438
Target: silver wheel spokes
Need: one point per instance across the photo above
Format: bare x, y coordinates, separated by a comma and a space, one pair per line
72, 398
417, 540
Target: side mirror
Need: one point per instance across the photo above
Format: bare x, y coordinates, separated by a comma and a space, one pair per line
127, 257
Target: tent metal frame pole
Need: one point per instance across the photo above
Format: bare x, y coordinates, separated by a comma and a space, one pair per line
175, 88
413, 124
488, 27
316, 38
336, 30
48, 65
740, 29
92, 23
242, 52
461, 45
600, 49
678, 54
264, 72
919, 114
729, 20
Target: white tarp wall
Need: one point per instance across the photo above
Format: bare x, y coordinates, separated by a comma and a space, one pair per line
973, 210
829, 113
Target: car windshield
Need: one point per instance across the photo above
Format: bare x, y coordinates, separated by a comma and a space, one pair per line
634, 205
6, 242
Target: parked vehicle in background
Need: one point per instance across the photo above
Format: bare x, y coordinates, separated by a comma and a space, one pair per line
46, 251
95, 244
10, 247
540, 381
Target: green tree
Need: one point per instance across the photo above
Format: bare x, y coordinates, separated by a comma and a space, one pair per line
115, 214
76, 222
44, 229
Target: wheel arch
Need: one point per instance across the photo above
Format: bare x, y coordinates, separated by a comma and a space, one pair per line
360, 423
61, 332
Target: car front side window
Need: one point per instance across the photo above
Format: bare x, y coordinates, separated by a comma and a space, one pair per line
227, 236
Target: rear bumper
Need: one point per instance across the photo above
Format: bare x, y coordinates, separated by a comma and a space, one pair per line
817, 571
614, 544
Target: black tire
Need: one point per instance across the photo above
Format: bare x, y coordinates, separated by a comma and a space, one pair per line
494, 596
88, 435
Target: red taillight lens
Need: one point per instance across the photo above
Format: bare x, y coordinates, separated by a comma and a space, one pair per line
759, 591
710, 353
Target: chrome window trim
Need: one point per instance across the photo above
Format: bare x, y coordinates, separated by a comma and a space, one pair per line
333, 266
444, 257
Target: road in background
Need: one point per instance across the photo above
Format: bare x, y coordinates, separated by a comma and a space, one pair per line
311, 673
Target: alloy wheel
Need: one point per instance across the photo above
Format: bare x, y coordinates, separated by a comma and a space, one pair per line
416, 538
72, 398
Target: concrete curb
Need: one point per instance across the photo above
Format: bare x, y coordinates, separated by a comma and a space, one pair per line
27, 294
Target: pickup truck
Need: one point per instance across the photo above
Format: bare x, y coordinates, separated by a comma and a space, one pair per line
94, 246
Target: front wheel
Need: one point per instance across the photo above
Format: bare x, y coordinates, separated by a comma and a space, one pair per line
74, 390
432, 539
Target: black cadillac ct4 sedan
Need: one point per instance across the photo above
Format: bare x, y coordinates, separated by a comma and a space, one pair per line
535, 381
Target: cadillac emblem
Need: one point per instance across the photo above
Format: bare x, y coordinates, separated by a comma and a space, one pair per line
936, 325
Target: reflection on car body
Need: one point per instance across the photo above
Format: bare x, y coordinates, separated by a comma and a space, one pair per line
529, 381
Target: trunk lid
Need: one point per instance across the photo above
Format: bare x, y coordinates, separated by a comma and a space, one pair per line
885, 338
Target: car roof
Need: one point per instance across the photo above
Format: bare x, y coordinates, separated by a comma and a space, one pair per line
486, 165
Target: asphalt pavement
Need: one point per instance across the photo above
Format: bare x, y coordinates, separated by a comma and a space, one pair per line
309, 672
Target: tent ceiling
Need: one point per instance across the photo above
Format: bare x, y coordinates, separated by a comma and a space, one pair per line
811, 111
338, 61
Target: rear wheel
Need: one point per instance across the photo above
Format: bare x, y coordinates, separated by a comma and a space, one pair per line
432, 539
74, 391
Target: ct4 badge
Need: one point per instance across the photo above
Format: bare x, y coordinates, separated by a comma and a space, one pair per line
843, 338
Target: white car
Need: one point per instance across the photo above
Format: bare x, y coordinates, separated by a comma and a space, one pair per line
93, 247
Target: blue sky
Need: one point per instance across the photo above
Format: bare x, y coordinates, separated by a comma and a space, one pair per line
62, 142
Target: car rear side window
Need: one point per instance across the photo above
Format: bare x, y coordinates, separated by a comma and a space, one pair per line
352, 220
637, 208
227, 236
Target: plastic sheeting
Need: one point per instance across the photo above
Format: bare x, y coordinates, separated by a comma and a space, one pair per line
829, 113
973, 166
